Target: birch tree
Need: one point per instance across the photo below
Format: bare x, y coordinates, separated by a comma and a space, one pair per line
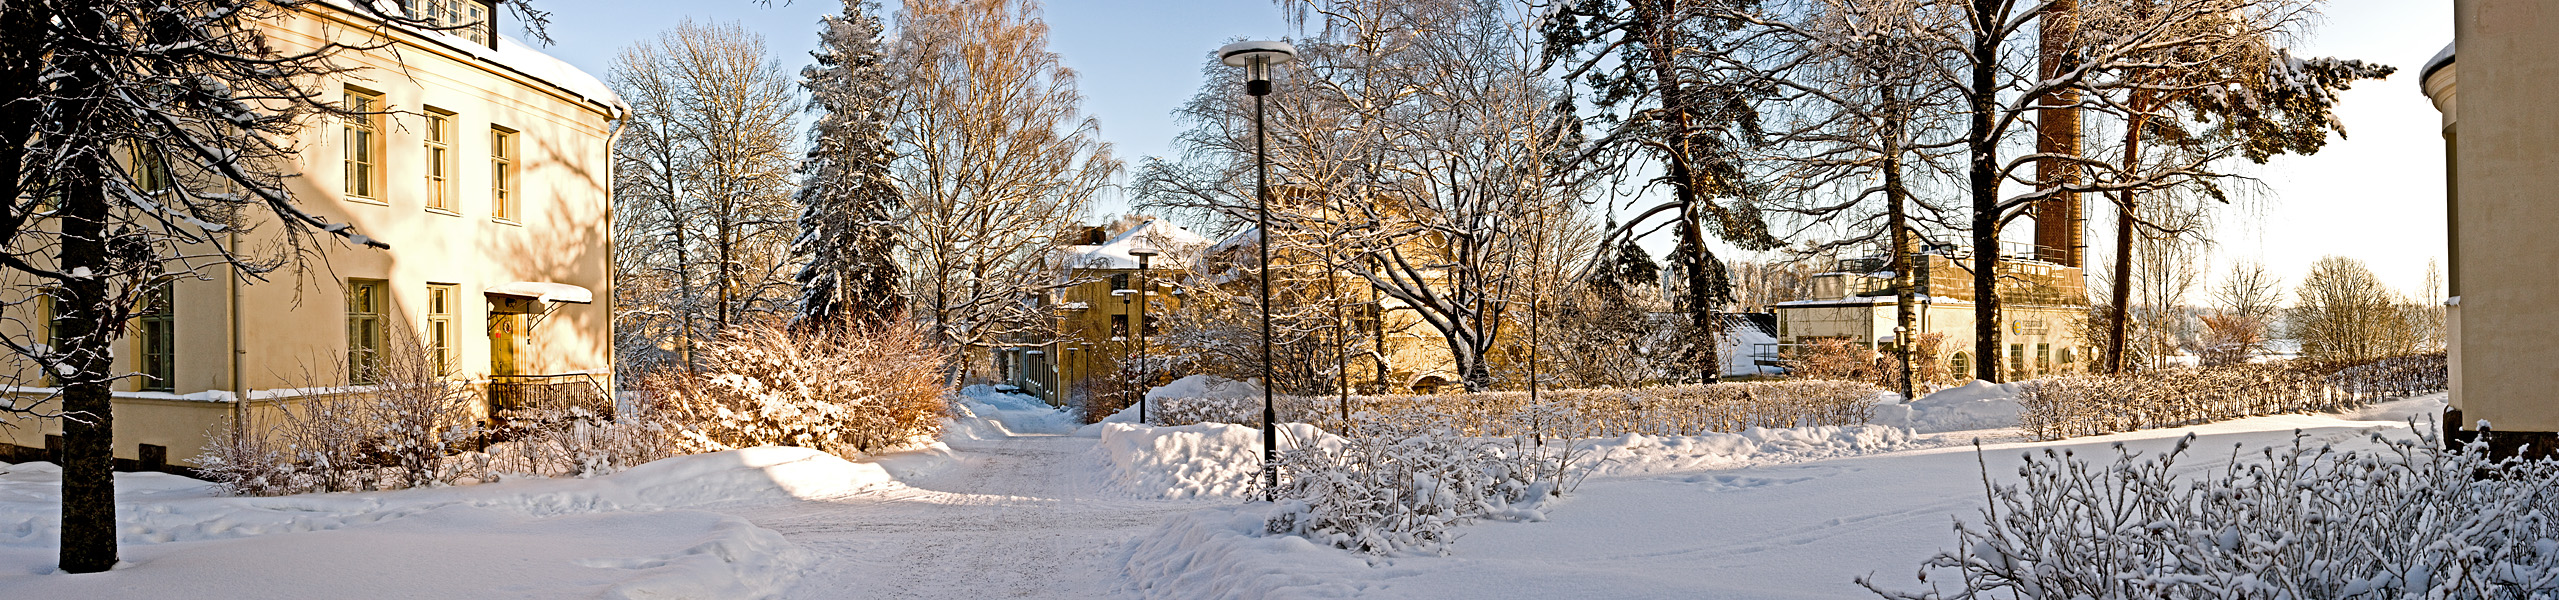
995, 163
1418, 138
702, 189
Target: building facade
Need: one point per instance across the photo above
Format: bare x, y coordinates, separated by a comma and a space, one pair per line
2500, 150
2041, 306
486, 168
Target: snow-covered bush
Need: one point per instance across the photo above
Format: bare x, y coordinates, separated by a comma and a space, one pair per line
572, 442
2304, 521
1588, 413
2064, 407
1401, 481
394, 433
845, 392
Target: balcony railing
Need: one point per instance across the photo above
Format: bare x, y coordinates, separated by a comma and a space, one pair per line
539, 393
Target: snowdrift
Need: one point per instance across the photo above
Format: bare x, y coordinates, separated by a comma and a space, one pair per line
544, 533
1635, 454
1207, 460
1974, 405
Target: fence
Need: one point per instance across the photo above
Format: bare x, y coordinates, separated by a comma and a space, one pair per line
2065, 407
549, 393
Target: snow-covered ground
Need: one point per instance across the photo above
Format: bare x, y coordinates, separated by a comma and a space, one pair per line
1020, 503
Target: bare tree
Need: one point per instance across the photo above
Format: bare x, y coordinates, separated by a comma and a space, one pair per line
703, 186
2342, 311
2245, 311
995, 163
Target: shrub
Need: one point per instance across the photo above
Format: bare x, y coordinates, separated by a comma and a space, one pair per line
1834, 359
2063, 407
1666, 410
395, 433
2407, 520
841, 391
1401, 481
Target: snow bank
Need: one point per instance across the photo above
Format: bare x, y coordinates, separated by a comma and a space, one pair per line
1189, 387
982, 412
1223, 553
1634, 454
1975, 405
679, 552
1191, 461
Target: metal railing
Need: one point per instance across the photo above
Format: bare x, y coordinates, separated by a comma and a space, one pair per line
560, 392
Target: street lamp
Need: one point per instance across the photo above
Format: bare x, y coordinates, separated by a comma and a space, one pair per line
1257, 58
1145, 292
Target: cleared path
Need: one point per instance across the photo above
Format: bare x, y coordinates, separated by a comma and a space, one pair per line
1021, 517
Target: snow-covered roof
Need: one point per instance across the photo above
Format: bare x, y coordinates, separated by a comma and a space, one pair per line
2441, 60
1173, 244
546, 292
512, 55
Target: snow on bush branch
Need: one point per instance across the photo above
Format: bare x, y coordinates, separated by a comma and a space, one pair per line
844, 391
1667, 410
1401, 481
2064, 407
2304, 521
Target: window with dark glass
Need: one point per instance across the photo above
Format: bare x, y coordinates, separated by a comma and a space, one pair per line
156, 331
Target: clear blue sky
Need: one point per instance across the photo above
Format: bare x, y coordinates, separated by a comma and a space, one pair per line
2377, 196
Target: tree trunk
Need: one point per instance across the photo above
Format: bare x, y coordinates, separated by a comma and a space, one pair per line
83, 326
1984, 148
2118, 328
1660, 42
1896, 198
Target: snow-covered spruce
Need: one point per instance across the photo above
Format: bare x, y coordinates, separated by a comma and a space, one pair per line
2407, 520
1401, 482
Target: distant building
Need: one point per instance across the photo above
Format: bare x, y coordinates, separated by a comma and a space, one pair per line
2041, 305
2501, 141
488, 174
1110, 302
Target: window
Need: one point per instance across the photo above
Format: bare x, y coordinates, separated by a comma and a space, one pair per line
2016, 358
464, 18
502, 173
2044, 358
439, 159
1119, 327
156, 332
1119, 282
439, 327
149, 169
363, 144
364, 329
55, 339
1961, 364
2068, 357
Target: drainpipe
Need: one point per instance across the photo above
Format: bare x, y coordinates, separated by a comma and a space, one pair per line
612, 364
239, 384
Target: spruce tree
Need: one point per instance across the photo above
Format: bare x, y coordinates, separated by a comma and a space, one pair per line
847, 204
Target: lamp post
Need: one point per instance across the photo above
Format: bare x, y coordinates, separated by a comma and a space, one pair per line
1257, 58
1145, 295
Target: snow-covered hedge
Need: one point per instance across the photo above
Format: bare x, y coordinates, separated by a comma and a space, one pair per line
1401, 481
2405, 520
842, 392
1588, 413
2065, 407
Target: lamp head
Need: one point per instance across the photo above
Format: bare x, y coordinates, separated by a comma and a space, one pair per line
1257, 58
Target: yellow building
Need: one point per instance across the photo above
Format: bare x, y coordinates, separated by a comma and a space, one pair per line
2041, 306
488, 175
2499, 145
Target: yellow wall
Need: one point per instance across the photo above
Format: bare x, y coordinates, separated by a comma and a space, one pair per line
2505, 242
294, 323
